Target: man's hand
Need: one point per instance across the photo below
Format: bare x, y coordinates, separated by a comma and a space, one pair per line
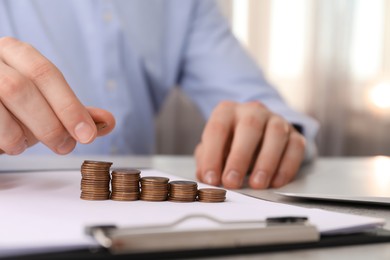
242, 138
37, 104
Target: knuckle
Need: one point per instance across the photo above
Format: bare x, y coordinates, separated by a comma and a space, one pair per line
278, 125
216, 127
15, 47
69, 107
53, 134
11, 85
257, 105
12, 141
224, 106
298, 140
7, 41
41, 70
236, 161
253, 121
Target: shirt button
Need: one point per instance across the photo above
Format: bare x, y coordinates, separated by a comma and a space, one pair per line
111, 85
107, 17
114, 149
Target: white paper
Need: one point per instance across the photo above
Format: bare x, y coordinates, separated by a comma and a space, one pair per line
42, 211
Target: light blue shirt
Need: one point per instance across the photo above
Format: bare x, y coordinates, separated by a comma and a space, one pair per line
125, 56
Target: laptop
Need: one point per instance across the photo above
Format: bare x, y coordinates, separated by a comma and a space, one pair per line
348, 179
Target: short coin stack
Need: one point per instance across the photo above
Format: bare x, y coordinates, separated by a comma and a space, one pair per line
125, 184
154, 188
182, 191
211, 195
95, 180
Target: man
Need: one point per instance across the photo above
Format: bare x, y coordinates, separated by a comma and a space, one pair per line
65, 64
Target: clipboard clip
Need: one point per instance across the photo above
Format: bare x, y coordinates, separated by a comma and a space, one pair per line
223, 234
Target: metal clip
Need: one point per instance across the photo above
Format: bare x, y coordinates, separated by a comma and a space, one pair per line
167, 237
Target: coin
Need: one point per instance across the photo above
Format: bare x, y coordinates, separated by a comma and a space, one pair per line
95, 180
154, 188
99, 163
211, 195
182, 191
155, 179
125, 184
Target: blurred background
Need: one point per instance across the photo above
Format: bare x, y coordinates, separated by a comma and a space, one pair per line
329, 59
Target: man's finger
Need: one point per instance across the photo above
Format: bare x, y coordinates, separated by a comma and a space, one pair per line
26, 104
274, 142
197, 155
12, 138
250, 124
215, 137
291, 161
51, 83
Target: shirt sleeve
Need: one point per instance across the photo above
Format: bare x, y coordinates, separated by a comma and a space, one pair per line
215, 68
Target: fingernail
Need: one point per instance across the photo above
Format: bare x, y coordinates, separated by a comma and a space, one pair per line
20, 148
84, 132
260, 179
233, 177
279, 180
210, 177
66, 146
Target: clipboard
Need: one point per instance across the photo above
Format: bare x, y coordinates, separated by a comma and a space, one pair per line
164, 238
238, 238
54, 240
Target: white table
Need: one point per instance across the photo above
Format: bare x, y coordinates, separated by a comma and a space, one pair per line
185, 167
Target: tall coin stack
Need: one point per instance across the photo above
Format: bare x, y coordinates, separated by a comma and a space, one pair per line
125, 184
95, 180
211, 195
154, 188
182, 191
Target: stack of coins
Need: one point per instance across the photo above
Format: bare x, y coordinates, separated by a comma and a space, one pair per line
95, 180
211, 195
154, 188
183, 191
125, 184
